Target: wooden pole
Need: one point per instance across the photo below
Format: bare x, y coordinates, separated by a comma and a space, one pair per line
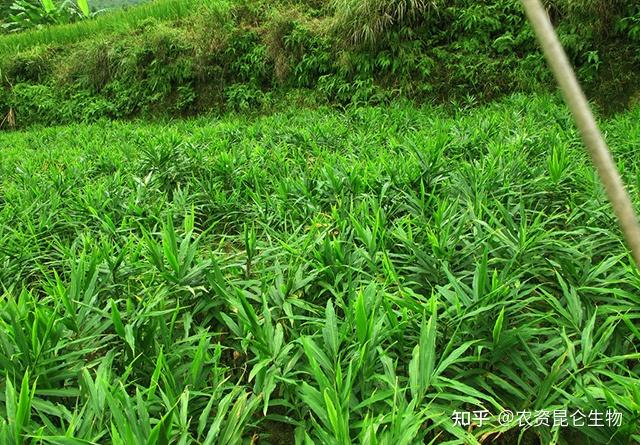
591, 136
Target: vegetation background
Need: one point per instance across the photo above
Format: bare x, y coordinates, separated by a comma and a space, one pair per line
182, 57
376, 214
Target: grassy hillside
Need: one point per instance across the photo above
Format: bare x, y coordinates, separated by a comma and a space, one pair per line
182, 58
110, 22
315, 277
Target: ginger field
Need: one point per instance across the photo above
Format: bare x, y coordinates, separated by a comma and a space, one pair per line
318, 276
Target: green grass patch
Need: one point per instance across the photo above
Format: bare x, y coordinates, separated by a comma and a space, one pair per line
117, 21
315, 277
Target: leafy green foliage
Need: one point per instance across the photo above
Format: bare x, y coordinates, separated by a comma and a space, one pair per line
28, 15
173, 58
314, 277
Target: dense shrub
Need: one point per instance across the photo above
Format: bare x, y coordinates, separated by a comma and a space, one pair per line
245, 55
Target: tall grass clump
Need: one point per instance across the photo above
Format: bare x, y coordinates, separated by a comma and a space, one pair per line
365, 22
